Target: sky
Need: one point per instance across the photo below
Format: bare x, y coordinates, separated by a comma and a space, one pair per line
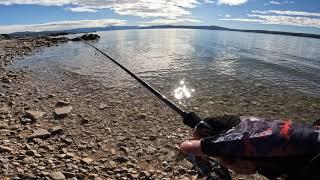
46, 15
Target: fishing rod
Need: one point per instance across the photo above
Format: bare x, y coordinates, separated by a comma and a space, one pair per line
191, 119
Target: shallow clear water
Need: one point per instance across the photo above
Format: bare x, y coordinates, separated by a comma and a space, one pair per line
193, 63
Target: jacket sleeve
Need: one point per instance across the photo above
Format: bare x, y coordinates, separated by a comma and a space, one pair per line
260, 138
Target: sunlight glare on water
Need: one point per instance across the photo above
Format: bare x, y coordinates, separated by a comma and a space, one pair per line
182, 91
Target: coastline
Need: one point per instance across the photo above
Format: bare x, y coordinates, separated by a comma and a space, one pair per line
114, 28
101, 136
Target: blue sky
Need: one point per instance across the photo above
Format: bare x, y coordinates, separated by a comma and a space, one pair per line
41, 15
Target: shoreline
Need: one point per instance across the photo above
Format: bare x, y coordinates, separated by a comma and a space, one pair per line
114, 28
108, 133
93, 137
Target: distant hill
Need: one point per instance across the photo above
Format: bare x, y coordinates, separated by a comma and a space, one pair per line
110, 28
71, 31
185, 27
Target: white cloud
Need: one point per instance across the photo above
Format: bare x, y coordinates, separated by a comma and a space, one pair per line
208, 1
243, 20
156, 9
232, 2
275, 2
281, 2
293, 18
38, 2
81, 9
170, 21
142, 8
279, 20
288, 20
62, 25
289, 13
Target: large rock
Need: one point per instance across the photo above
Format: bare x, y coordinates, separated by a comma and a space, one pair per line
57, 176
62, 103
28, 160
144, 174
34, 115
55, 130
87, 160
40, 133
62, 112
87, 37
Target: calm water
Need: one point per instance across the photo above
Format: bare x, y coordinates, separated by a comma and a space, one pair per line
193, 63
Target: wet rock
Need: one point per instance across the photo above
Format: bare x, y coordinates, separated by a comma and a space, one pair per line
55, 130
62, 112
57, 176
40, 133
34, 115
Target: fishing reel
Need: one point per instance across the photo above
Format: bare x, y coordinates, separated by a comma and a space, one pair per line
209, 168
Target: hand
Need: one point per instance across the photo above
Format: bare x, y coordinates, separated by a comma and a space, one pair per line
239, 166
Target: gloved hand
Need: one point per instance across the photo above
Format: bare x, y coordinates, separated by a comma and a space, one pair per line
271, 147
221, 123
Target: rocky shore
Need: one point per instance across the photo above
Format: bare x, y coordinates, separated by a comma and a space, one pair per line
59, 125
